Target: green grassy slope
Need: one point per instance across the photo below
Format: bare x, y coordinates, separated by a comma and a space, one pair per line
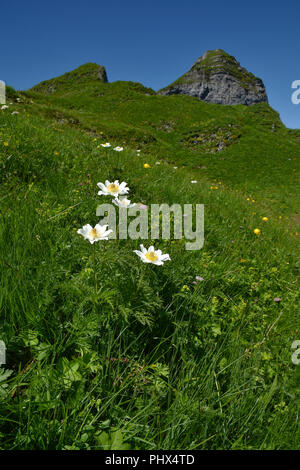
152, 361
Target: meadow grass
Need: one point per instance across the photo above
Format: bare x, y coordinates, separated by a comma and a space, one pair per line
161, 363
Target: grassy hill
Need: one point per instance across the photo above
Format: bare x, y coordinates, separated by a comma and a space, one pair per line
154, 359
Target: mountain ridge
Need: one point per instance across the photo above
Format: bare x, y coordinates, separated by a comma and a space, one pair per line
82, 74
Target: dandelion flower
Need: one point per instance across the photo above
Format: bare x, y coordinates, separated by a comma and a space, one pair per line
152, 256
265, 219
146, 165
256, 231
124, 203
112, 189
242, 260
99, 232
106, 145
5, 144
118, 149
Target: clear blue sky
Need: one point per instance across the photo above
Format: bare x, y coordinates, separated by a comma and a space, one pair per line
152, 42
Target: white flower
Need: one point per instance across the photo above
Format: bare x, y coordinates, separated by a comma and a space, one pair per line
118, 149
152, 256
194, 181
124, 203
157, 163
4, 107
106, 145
175, 167
15, 112
112, 189
95, 234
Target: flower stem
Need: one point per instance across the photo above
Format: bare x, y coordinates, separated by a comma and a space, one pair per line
95, 272
141, 279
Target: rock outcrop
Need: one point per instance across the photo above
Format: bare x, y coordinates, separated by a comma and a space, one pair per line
217, 77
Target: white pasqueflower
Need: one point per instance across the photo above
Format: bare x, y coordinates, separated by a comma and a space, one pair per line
106, 145
123, 203
4, 107
112, 189
152, 256
118, 149
99, 232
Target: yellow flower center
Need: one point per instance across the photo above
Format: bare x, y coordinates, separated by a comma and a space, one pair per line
113, 188
93, 233
151, 256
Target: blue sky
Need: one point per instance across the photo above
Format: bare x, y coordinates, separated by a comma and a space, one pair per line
152, 42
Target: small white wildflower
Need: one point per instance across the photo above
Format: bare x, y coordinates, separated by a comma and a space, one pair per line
99, 232
124, 203
152, 256
112, 189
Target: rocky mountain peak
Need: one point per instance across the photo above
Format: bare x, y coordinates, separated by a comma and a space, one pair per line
217, 77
